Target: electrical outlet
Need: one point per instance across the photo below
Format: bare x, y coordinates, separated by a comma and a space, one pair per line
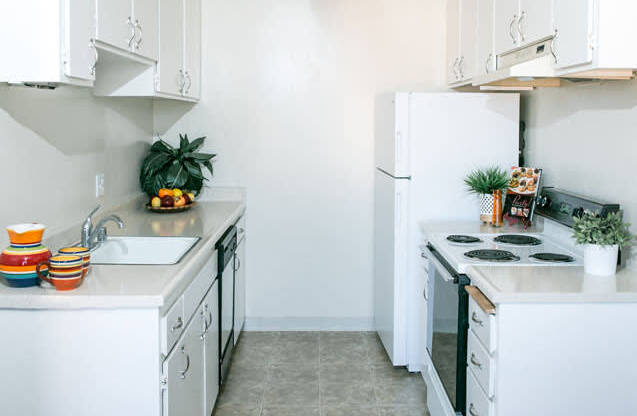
99, 185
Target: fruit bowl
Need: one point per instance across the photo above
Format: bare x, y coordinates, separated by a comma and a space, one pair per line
170, 210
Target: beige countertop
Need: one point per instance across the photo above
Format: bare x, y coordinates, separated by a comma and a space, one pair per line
554, 284
127, 286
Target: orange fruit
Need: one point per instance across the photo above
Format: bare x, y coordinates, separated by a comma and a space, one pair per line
180, 201
165, 192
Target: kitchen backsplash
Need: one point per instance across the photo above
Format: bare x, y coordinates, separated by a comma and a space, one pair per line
584, 136
53, 145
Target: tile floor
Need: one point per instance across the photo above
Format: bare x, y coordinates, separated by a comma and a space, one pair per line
317, 374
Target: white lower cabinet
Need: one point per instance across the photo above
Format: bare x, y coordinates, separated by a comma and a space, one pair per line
239, 289
183, 374
211, 349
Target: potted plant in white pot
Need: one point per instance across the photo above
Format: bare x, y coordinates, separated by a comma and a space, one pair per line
602, 238
483, 182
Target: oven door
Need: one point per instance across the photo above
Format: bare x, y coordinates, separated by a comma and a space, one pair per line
447, 343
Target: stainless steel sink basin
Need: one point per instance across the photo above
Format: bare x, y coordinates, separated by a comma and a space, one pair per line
143, 250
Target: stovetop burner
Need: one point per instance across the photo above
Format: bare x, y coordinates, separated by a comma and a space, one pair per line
463, 239
552, 257
518, 240
492, 255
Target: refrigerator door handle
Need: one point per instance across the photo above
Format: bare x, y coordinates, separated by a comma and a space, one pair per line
392, 176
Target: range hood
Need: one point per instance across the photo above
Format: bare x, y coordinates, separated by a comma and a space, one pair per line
526, 67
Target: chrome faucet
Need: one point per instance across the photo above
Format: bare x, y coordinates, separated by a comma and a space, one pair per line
91, 236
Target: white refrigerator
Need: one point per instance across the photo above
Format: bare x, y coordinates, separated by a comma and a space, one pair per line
425, 145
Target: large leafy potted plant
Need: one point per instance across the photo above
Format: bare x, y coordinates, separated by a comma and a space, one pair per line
168, 167
483, 182
602, 237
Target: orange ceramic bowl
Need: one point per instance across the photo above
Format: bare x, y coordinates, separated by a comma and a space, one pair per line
25, 233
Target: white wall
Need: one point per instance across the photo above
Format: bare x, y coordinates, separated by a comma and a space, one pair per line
585, 138
53, 143
288, 103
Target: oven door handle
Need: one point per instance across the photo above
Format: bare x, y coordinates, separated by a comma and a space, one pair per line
433, 257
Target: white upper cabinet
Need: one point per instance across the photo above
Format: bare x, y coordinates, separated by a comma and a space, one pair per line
146, 15
573, 22
468, 32
461, 37
48, 42
129, 25
192, 48
505, 27
534, 22
171, 78
115, 23
484, 38
453, 40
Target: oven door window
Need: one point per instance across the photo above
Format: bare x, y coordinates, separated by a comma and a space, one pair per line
444, 345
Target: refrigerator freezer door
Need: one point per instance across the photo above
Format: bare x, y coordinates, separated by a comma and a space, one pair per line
392, 134
390, 237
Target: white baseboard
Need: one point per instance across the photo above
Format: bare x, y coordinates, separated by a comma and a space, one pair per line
309, 324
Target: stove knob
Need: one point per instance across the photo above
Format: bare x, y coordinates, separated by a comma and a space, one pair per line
543, 201
578, 212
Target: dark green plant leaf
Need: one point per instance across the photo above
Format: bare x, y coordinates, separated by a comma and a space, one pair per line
161, 146
195, 144
193, 169
194, 185
183, 143
155, 162
177, 175
208, 165
200, 157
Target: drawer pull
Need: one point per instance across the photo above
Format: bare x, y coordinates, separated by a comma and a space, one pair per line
472, 410
475, 361
185, 370
475, 319
178, 325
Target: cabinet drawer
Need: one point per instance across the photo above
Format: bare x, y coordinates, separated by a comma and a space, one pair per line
477, 402
481, 364
198, 288
482, 324
172, 325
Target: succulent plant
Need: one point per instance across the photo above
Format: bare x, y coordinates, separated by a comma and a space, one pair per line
590, 228
485, 181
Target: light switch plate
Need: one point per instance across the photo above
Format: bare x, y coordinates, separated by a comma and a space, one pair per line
99, 185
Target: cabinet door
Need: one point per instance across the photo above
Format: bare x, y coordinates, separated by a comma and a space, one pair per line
146, 18
468, 32
211, 348
453, 39
506, 31
239, 289
485, 59
79, 29
183, 374
535, 20
193, 48
574, 26
115, 22
171, 46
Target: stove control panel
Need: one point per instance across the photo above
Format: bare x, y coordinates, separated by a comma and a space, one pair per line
562, 206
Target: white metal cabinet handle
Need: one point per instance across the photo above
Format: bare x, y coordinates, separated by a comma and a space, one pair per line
178, 325
520, 30
515, 18
486, 65
130, 23
138, 26
237, 264
455, 67
475, 319
91, 44
553, 51
182, 81
472, 410
189, 79
183, 372
475, 361
460, 65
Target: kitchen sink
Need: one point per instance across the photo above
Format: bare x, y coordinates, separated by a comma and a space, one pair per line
143, 250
